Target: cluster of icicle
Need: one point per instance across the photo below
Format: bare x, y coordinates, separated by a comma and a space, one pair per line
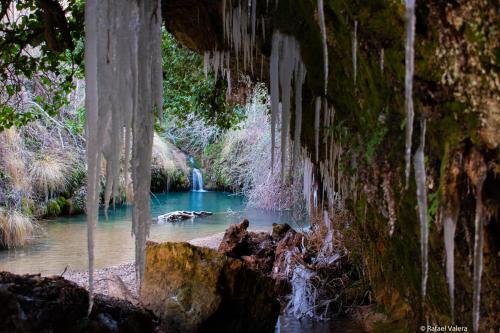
239, 21
123, 91
218, 62
287, 71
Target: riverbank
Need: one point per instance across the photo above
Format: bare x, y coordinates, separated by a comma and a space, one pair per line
120, 281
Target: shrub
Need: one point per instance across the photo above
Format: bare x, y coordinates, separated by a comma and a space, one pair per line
50, 174
16, 229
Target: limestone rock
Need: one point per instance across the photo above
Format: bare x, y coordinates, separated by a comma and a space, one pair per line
195, 289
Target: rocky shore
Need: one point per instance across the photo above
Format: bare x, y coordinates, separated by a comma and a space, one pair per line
119, 281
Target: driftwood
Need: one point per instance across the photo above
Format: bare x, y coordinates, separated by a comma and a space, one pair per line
180, 215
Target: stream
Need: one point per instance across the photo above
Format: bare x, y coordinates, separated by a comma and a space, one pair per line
63, 241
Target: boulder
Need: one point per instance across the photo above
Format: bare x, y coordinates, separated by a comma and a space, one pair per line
31, 303
194, 289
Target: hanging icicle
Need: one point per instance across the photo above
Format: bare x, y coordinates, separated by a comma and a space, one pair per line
322, 26
355, 51
317, 119
476, 170
450, 225
300, 76
124, 90
409, 65
239, 25
382, 56
286, 67
420, 179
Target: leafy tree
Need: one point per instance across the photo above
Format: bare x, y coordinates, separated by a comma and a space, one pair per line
187, 91
41, 49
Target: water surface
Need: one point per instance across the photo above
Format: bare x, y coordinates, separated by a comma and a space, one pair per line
64, 241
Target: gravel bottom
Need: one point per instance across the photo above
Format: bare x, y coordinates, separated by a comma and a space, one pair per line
119, 281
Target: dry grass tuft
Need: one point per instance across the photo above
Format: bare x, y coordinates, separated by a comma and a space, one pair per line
16, 229
167, 156
50, 174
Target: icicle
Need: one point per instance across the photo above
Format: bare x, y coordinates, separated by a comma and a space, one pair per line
317, 118
477, 173
321, 15
286, 66
91, 107
300, 76
254, 21
382, 60
450, 225
206, 63
420, 179
261, 66
123, 91
308, 185
275, 97
409, 64
355, 51
263, 25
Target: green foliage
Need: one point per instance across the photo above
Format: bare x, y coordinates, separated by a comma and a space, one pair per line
53, 208
187, 91
77, 125
41, 51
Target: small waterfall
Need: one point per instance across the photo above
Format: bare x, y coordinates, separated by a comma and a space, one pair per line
197, 180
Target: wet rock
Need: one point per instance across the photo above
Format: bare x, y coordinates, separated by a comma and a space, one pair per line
280, 230
234, 243
195, 289
255, 248
31, 303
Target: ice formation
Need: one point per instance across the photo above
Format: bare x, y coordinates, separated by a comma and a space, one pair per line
303, 294
382, 56
123, 91
409, 64
239, 22
309, 183
286, 68
420, 179
478, 251
317, 119
300, 76
218, 62
450, 225
321, 16
355, 51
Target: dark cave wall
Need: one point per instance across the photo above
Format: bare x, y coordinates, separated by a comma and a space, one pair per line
456, 89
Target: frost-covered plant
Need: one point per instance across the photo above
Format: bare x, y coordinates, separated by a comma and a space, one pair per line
241, 159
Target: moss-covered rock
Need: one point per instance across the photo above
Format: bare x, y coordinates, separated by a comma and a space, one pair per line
456, 89
194, 289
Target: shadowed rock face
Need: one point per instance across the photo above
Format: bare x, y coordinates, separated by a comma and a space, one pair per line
195, 289
456, 88
31, 303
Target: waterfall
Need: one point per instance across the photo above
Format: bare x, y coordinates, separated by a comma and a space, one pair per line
197, 181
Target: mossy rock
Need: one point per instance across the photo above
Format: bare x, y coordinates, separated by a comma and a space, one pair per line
195, 289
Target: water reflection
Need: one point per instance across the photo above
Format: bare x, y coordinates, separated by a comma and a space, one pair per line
64, 242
